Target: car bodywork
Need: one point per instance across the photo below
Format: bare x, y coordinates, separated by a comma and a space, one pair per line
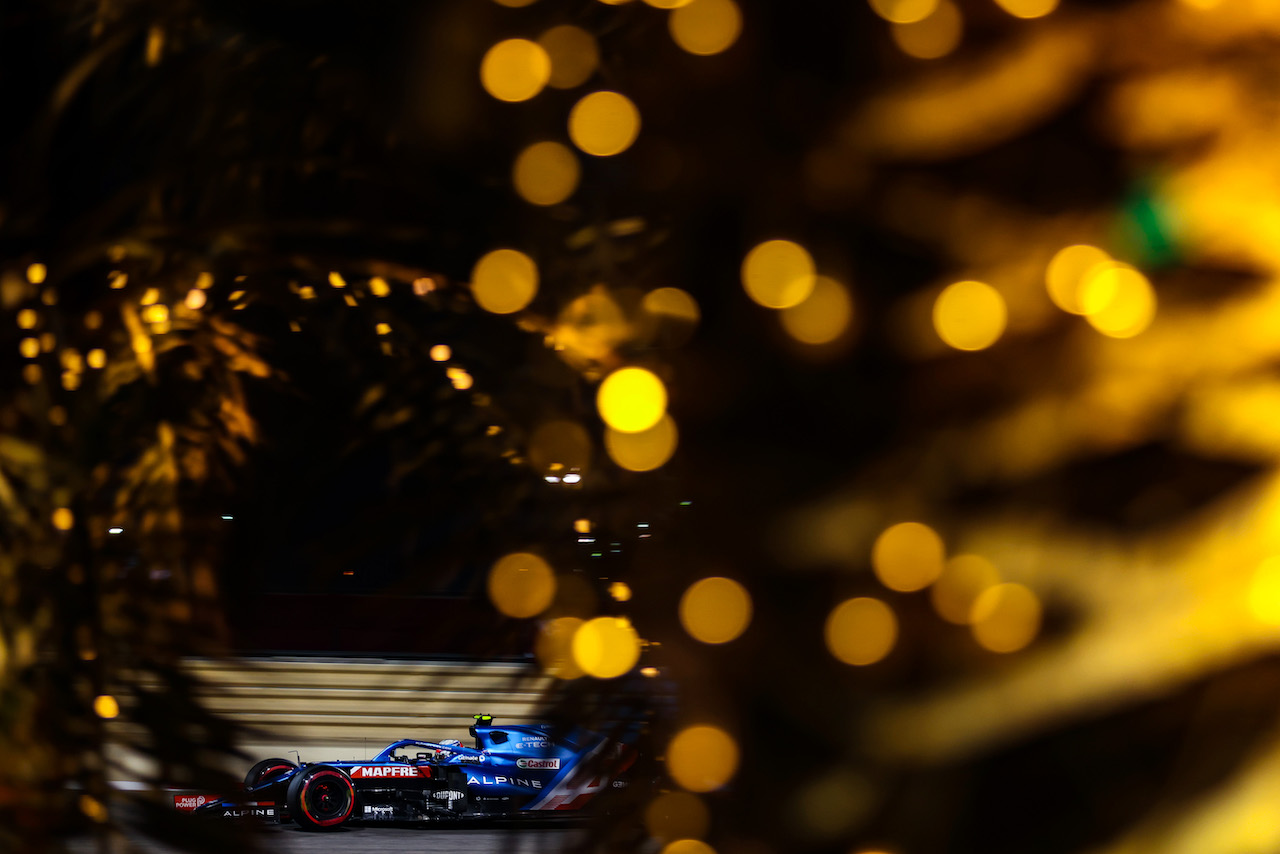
514, 769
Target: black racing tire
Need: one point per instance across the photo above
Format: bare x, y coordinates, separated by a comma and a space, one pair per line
321, 797
266, 770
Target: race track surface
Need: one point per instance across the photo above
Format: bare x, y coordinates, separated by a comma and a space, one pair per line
359, 840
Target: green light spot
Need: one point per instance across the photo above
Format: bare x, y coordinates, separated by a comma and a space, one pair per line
1145, 227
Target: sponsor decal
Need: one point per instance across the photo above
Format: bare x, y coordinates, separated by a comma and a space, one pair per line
257, 812
449, 794
503, 781
553, 764
619, 784
573, 790
187, 803
377, 810
369, 771
534, 741
467, 757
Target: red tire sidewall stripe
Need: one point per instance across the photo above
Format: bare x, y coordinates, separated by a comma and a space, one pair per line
351, 801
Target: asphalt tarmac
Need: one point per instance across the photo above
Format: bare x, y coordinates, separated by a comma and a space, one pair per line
358, 839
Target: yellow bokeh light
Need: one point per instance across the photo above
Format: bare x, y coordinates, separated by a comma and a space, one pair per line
1117, 300
32, 373
677, 815
963, 580
27, 318
632, 400
778, 274
706, 27
1006, 617
383, 328
29, 347
606, 647
545, 173
335, 279
688, 846
63, 519
36, 273
933, 36
969, 315
152, 296
504, 281
521, 584
378, 287
1028, 8
554, 648
645, 450
559, 445
96, 358
620, 591
861, 631
1066, 274
667, 4
93, 808
441, 353
459, 378
1264, 591
573, 53
590, 329
158, 313
604, 123
515, 70
582, 526
195, 299
823, 316
673, 303
1100, 285
908, 556
715, 610
702, 758
904, 11
105, 706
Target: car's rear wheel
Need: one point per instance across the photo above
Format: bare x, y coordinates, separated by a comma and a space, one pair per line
321, 797
267, 770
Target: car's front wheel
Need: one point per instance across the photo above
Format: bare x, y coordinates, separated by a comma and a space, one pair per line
267, 770
321, 797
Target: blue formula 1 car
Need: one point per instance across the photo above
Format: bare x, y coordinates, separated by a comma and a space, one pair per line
513, 769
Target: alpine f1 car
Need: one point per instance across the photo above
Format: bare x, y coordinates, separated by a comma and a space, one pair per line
513, 769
